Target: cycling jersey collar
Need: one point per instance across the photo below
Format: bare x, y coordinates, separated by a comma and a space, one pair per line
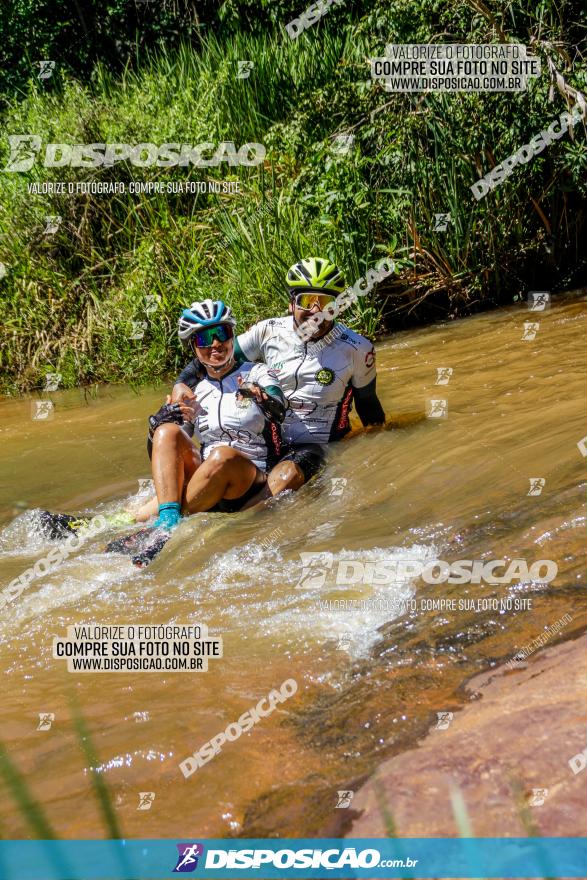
325, 340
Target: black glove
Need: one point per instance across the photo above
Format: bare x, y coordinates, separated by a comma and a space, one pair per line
169, 412
246, 389
273, 409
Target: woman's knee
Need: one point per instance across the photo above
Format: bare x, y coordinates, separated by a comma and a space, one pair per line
222, 456
169, 433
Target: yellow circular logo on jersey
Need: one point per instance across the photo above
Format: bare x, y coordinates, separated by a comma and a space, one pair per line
325, 376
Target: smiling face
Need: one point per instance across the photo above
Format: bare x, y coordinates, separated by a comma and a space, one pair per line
217, 355
313, 303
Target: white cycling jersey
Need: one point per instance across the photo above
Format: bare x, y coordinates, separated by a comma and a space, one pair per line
317, 378
225, 420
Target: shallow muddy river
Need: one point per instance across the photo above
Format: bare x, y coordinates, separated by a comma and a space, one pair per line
372, 673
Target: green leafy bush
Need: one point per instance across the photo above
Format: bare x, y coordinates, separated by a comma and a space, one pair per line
70, 301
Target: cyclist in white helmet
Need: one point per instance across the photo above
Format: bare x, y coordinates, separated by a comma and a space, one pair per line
236, 411
320, 377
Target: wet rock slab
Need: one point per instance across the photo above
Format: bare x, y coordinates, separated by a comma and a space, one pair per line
506, 752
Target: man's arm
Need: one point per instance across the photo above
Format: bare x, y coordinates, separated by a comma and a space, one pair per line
269, 399
191, 374
368, 405
183, 387
263, 386
364, 381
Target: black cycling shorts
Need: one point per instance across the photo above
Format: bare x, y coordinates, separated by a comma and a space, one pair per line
310, 458
233, 505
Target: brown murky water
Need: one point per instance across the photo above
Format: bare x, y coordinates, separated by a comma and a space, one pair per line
371, 679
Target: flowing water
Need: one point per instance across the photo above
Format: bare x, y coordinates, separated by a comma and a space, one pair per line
372, 676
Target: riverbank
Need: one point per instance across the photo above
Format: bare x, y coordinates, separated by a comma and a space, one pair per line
308, 155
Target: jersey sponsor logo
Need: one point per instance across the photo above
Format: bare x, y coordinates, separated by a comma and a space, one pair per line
343, 422
370, 358
275, 438
299, 405
325, 376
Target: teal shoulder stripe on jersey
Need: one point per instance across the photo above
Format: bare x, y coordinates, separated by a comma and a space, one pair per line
239, 355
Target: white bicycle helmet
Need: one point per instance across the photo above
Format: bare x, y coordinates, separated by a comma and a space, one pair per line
208, 313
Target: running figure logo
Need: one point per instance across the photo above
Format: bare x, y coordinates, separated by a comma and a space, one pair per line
443, 375
444, 719
187, 861
343, 144
538, 300
42, 409
437, 408
530, 330
52, 381
315, 566
338, 485
538, 797
46, 719
441, 222
23, 149
53, 222
345, 641
344, 799
146, 799
537, 484
152, 303
244, 69
138, 329
46, 69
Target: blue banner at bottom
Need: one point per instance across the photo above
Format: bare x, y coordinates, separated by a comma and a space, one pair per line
305, 859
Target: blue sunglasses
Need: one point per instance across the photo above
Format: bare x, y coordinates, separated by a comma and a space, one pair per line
205, 337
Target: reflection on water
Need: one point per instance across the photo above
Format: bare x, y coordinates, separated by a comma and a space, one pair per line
306, 588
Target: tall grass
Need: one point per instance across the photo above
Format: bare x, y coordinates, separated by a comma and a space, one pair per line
31, 811
68, 301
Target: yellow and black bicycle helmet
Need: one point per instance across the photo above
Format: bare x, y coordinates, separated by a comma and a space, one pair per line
314, 273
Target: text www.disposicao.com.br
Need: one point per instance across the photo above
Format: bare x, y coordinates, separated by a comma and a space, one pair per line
134, 664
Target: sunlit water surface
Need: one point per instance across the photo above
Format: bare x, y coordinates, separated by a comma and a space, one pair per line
447, 488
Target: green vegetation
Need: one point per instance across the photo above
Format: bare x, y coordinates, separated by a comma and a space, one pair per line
69, 300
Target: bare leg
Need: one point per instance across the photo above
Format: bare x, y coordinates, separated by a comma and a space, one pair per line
175, 460
225, 474
285, 475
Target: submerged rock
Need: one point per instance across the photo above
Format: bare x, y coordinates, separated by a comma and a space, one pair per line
513, 756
